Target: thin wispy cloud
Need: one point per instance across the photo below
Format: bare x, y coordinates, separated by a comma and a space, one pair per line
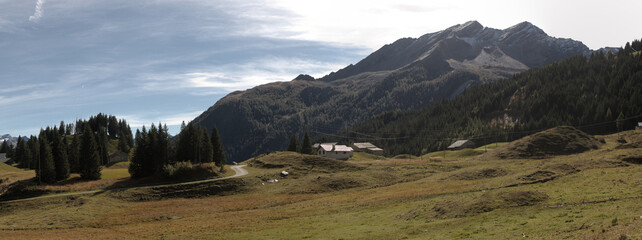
232, 77
37, 14
147, 119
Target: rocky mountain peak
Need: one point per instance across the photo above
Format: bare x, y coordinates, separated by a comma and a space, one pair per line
468, 29
304, 77
524, 28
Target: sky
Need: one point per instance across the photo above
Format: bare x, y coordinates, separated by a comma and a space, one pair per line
151, 61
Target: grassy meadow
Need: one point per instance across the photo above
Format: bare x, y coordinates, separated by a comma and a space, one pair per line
469, 194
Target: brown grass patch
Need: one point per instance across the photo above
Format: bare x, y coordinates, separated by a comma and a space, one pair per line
465, 207
561, 140
479, 174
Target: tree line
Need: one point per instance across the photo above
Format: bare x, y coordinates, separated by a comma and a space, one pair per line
155, 149
82, 147
72, 148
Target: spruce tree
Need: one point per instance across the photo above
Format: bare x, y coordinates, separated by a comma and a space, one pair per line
73, 155
306, 147
23, 154
61, 161
61, 129
164, 146
217, 148
136, 165
619, 123
294, 144
17, 156
122, 143
46, 171
207, 152
4, 148
89, 156
101, 140
34, 149
11, 151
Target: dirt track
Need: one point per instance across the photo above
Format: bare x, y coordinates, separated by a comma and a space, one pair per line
238, 170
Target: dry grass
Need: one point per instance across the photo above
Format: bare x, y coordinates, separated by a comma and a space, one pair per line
593, 195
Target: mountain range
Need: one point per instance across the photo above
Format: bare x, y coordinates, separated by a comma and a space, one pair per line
410, 73
9, 139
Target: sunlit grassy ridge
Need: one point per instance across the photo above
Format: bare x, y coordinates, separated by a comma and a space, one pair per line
590, 195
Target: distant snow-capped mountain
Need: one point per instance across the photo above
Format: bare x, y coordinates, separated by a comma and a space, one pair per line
9, 139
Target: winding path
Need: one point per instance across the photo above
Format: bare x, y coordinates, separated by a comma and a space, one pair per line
238, 171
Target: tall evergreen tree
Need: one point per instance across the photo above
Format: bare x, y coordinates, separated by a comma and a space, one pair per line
152, 151
122, 143
61, 161
136, 165
294, 144
61, 129
34, 150
217, 148
24, 156
164, 145
4, 148
207, 153
73, 155
17, 156
89, 157
101, 140
46, 171
306, 147
113, 127
11, 151
620, 122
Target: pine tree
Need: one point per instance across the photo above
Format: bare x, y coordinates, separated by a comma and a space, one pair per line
620, 122
101, 140
61, 129
11, 151
609, 115
122, 143
17, 156
73, 155
89, 157
4, 148
217, 147
294, 144
61, 161
23, 154
34, 149
306, 147
164, 146
136, 165
207, 152
113, 127
46, 171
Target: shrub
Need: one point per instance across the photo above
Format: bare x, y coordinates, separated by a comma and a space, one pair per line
177, 170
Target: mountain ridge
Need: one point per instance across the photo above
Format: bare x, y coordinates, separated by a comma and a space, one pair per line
409, 73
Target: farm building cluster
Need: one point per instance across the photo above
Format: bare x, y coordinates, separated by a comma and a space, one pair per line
344, 152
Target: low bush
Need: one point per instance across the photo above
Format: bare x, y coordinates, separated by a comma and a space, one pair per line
177, 170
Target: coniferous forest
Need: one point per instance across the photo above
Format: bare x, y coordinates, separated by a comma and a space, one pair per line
599, 94
79, 147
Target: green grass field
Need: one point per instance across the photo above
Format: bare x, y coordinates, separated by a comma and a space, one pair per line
590, 195
6, 168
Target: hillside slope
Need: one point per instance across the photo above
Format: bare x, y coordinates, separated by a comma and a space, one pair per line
589, 93
407, 74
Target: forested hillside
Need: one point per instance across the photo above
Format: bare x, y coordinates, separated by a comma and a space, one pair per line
598, 94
